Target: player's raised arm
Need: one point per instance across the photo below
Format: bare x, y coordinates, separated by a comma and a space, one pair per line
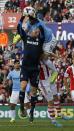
20, 29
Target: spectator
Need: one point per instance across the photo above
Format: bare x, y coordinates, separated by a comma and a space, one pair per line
11, 6
58, 17
1, 51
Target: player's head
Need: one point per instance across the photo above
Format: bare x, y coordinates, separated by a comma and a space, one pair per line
16, 64
29, 11
35, 32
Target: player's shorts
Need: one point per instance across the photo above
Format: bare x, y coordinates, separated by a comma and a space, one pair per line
14, 99
30, 75
72, 95
53, 88
44, 86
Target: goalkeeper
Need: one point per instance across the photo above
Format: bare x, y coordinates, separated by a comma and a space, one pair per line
39, 41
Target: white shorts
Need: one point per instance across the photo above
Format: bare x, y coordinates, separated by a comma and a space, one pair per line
72, 95
53, 88
44, 86
15, 97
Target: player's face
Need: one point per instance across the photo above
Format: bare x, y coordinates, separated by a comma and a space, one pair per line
32, 20
17, 65
35, 33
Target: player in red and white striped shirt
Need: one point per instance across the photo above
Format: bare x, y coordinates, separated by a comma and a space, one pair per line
49, 89
48, 75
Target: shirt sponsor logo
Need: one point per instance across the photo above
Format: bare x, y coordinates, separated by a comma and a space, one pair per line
32, 42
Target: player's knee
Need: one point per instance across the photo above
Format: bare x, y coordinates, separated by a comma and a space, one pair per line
12, 106
23, 85
34, 90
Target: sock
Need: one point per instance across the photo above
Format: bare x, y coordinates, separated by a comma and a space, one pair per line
33, 103
33, 99
21, 98
57, 107
51, 113
32, 110
12, 114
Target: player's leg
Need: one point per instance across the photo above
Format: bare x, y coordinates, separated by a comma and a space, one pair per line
34, 80
26, 108
47, 93
33, 102
44, 85
57, 104
24, 79
27, 104
13, 102
22, 96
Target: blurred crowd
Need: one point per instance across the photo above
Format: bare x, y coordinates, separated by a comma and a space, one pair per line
47, 10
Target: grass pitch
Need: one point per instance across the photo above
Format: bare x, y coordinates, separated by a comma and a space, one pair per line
37, 125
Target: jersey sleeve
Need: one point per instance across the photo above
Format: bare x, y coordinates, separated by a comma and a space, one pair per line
9, 77
42, 33
20, 29
50, 40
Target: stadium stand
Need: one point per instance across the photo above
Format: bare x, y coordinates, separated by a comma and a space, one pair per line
2, 4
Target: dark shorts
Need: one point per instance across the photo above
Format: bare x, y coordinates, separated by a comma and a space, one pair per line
31, 75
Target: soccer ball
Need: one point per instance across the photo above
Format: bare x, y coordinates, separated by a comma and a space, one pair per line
29, 11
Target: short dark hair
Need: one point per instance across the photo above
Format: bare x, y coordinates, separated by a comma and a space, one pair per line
16, 61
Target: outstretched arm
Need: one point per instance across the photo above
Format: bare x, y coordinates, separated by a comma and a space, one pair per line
22, 26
